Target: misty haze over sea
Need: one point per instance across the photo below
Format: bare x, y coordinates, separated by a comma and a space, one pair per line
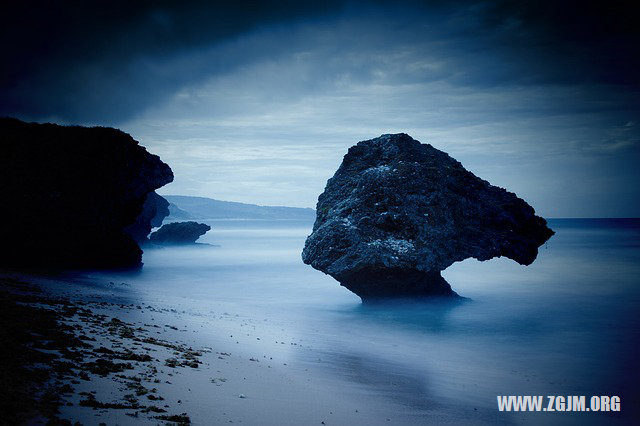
566, 325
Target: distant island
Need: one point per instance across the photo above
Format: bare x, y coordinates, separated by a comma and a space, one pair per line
183, 207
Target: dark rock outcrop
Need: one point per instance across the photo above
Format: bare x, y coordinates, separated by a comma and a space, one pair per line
179, 233
397, 212
154, 210
68, 194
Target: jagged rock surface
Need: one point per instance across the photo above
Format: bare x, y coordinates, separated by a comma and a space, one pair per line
68, 194
179, 233
154, 210
397, 212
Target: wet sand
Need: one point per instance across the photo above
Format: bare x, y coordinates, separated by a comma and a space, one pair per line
95, 361
246, 317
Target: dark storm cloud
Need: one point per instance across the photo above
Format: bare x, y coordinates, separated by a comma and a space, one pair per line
106, 62
594, 41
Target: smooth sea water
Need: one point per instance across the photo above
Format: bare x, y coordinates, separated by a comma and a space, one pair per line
566, 325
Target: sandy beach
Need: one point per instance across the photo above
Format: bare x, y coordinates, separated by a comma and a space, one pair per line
114, 363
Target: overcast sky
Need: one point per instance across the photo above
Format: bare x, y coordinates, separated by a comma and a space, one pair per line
259, 102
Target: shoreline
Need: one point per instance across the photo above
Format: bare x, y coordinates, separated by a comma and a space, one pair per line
116, 352
72, 346
118, 363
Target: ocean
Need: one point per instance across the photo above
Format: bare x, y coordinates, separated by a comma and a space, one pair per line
566, 325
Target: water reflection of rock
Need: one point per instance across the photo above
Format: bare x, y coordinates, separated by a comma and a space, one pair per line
391, 381
368, 359
423, 315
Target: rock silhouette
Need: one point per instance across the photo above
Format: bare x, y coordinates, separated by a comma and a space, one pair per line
179, 233
154, 210
69, 192
397, 212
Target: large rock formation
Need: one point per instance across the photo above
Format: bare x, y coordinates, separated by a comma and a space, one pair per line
397, 212
179, 233
68, 194
154, 210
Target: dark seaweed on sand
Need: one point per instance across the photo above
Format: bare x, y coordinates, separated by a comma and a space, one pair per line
25, 370
41, 356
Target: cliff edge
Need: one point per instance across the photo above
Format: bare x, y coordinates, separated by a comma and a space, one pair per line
69, 192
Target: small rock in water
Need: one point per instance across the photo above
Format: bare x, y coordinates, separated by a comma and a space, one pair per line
179, 233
